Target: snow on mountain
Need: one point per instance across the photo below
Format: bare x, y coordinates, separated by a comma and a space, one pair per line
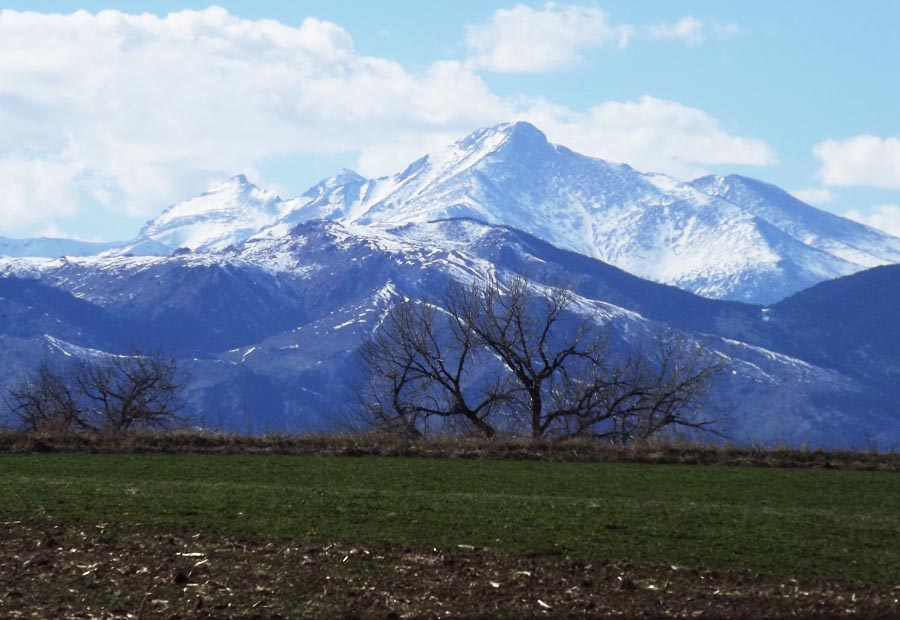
738, 245
330, 198
46, 247
721, 237
268, 330
267, 309
838, 236
227, 214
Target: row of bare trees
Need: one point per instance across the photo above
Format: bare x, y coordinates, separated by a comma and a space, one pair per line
511, 357
110, 395
489, 358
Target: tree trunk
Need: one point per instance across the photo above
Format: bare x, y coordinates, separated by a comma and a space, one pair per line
537, 406
486, 429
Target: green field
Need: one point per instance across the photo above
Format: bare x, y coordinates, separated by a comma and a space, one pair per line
804, 524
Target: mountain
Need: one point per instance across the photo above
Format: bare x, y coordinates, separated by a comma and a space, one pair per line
226, 214
835, 235
728, 239
268, 330
266, 302
849, 324
31, 308
46, 247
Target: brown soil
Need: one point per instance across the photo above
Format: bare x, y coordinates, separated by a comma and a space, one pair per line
110, 572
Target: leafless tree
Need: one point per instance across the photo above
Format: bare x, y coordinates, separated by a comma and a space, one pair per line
643, 394
545, 348
45, 401
514, 356
423, 365
114, 394
129, 391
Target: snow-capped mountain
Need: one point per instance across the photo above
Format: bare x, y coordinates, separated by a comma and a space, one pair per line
721, 237
268, 330
226, 214
48, 247
757, 246
266, 301
835, 235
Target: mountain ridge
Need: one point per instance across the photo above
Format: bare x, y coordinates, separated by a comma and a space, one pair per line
269, 329
725, 237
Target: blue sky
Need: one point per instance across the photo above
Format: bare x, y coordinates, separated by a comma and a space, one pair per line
105, 118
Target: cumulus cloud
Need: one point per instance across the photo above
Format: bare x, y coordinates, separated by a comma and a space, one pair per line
553, 37
884, 217
860, 161
138, 110
653, 134
34, 192
650, 134
692, 31
814, 195
134, 112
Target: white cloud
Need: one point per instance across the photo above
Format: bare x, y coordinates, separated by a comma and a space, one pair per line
814, 195
688, 29
134, 112
652, 134
692, 31
554, 37
34, 192
883, 217
394, 153
860, 161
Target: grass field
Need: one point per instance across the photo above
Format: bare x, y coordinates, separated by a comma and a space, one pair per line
768, 524
801, 524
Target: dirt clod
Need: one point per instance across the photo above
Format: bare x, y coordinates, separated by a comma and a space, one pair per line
130, 572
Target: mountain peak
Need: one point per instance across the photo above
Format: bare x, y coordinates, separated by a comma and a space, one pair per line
238, 181
228, 212
344, 177
521, 129
521, 133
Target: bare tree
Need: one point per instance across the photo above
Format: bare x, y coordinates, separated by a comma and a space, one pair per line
133, 391
516, 356
643, 394
110, 395
422, 363
45, 401
539, 342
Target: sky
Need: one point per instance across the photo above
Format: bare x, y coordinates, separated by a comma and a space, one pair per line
111, 111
